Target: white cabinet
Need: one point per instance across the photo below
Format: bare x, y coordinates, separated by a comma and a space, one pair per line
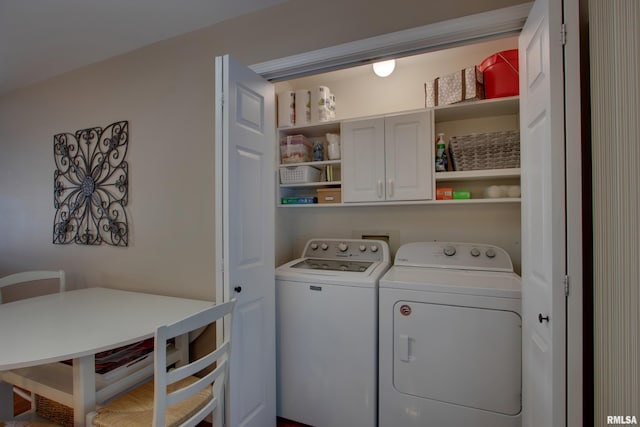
388, 158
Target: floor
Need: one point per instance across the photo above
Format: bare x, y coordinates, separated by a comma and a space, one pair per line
286, 423
20, 405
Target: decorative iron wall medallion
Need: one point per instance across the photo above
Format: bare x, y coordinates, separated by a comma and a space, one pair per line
90, 186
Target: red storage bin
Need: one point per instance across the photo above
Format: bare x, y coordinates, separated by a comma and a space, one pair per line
501, 74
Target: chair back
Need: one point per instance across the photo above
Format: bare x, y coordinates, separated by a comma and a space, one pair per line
33, 276
178, 385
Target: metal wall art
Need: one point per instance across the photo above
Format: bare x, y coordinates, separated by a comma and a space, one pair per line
90, 186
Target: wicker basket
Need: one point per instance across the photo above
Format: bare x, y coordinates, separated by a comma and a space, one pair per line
493, 150
54, 411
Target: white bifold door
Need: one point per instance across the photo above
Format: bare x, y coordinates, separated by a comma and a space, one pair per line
245, 206
543, 216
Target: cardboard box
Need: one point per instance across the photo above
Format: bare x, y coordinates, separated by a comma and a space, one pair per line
444, 193
464, 85
329, 195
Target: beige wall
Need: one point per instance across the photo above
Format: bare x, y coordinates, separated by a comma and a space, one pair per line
165, 91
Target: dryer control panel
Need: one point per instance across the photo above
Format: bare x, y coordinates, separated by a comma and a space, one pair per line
351, 249
461, 256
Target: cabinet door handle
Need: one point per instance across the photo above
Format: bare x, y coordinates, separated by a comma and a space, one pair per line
380, 189
390, 188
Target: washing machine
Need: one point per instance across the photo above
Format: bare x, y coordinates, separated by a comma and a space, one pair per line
327, 335
450, 338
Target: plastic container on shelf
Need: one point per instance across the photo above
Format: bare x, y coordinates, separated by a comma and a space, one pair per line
295, 149
333, 146
299, 174
501, 74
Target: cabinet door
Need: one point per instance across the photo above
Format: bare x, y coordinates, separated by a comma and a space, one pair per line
409, 156
363, 175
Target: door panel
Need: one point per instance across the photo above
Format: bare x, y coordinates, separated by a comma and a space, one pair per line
245, 206
461, 352
543, 216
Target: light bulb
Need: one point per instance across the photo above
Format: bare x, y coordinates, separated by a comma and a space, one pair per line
384, 68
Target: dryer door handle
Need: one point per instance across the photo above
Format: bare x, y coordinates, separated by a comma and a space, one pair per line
403, 348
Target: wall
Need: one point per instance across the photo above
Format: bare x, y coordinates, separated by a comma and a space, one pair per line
359, 92
615, 90
166, 93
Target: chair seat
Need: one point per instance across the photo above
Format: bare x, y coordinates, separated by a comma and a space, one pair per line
135, 408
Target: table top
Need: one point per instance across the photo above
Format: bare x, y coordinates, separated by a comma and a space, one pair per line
77, 323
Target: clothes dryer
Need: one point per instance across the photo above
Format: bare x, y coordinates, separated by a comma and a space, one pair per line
450, 338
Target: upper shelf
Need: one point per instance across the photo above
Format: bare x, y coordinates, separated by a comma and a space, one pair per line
477, 109
478, 174
312, 130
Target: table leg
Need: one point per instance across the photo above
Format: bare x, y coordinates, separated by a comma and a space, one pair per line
84, 388
6, 400
182, 345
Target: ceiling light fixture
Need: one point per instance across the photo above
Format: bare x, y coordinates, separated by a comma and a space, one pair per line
384, 68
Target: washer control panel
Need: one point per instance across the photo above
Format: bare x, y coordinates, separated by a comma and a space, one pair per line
462, 256
353, 249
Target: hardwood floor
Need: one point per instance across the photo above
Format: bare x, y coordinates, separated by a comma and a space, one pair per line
286, 423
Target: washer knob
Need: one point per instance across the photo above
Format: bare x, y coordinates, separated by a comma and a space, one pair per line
374, 248
449, 251
324, 246
314, 246
343, 246
475, 252
491, 253
363, 248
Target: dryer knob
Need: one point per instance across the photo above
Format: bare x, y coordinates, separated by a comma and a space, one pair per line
314, 246
343, 247
449, 251
475, 252
491, 253
362, 248
374, 248
324, 246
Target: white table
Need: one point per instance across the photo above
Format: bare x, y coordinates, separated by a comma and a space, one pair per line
76, 325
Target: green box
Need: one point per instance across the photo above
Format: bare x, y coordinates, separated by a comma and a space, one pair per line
461, 194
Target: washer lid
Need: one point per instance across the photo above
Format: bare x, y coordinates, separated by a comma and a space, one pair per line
467, 282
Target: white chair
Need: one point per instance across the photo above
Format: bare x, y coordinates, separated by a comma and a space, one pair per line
33, 276
176, 397
25, 278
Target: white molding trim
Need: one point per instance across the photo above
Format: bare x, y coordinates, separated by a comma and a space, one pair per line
491, 24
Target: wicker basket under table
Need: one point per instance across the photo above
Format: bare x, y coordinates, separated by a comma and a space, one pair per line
54, 411
492, 150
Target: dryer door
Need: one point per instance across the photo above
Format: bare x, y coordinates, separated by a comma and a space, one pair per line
461, 355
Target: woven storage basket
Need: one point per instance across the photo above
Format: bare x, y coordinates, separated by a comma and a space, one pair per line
54, 411
493, 150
